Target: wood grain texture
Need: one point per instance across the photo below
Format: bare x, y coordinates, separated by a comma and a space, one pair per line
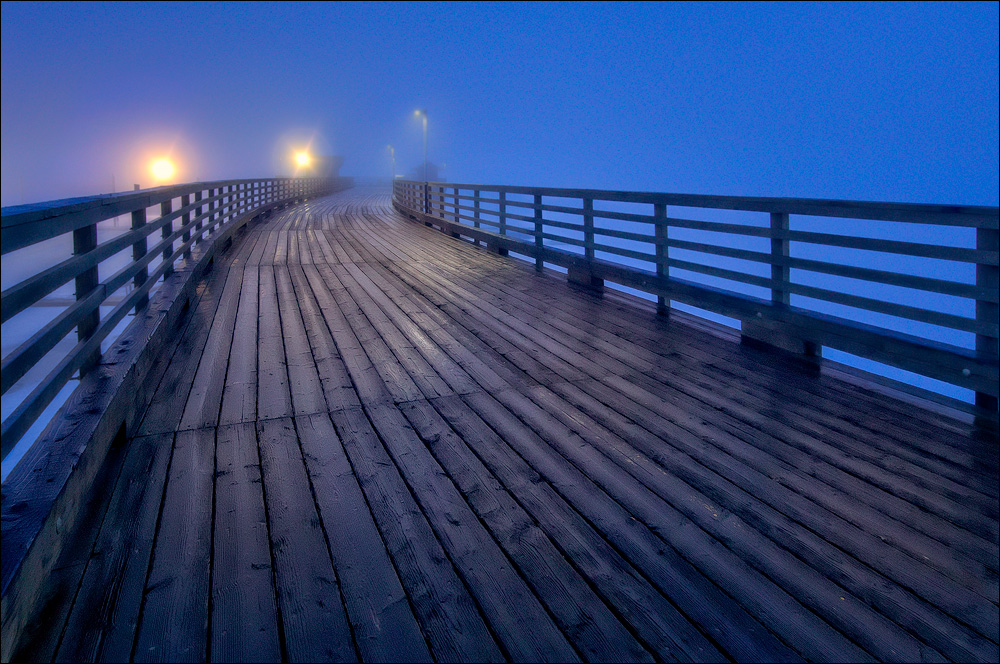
312, 614
173, 624
453, 456
244, 610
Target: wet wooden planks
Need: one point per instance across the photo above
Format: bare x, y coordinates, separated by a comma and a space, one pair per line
375, 442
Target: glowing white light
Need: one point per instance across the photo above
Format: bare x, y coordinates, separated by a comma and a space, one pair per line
162, 169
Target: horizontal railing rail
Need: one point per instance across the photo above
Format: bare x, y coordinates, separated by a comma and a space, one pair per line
778, 268
189, 214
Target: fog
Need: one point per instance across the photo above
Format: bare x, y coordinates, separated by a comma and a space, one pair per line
879, 102
866, 102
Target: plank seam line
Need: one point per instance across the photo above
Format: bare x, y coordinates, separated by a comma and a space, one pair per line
152, 550
425, 399
305, 466
413, 610
708, 579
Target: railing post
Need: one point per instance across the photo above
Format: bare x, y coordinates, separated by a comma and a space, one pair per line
139, 249
454, 214
772, 332
987, 280
166, 207
220, 218
538, 231
216, 209
662, 254
502, 219
428, 207
475, 204
212, 207
198, 196
84, 240
779, 250
186, 236
585, 277
503, 213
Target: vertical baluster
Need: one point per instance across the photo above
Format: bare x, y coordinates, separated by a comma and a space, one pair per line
220, 209
503, 213
662, 254
538, 231
139, 248
779, 253
85, 240
198, 211
186, 236
210, 218
475, 197
167, 207
585, 276
770, 331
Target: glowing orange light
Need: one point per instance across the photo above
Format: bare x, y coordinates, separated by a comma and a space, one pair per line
303, 158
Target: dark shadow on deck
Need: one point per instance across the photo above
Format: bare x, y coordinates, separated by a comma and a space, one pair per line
373, 441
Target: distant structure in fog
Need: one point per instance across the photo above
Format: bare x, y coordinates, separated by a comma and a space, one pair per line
327, 166
433, 173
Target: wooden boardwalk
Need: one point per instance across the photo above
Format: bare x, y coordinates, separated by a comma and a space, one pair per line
377, 442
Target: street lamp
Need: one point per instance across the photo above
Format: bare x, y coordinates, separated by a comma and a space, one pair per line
422, 113
162, 169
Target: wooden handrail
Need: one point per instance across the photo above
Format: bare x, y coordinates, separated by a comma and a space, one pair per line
204, 210
564, 227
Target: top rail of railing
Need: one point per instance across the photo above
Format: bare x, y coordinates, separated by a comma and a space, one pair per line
185, 215
908, 285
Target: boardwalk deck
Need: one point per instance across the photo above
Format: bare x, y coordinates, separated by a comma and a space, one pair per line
376, 442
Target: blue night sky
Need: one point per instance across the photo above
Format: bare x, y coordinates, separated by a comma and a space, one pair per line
895, 102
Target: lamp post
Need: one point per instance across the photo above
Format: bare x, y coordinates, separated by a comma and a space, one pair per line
392, 153
422, 113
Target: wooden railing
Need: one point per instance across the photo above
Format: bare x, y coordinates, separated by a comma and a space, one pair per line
189, 214
630, 239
